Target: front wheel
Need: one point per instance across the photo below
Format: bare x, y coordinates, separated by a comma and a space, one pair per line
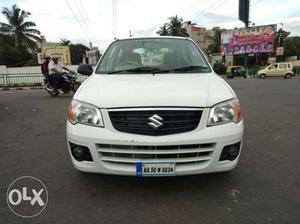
262, 76
51, 91
75, 87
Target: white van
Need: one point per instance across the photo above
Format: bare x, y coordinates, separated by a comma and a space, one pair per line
282, 69
154, 107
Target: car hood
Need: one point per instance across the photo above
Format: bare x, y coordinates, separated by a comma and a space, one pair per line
147, 90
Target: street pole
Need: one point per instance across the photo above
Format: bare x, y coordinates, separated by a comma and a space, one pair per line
244, 17
246, 55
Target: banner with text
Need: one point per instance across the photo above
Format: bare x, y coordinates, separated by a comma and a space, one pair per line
251, 40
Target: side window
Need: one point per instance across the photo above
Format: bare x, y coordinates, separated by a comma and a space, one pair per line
289, 65
282, 66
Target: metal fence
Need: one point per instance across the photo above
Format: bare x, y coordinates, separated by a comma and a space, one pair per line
26, 79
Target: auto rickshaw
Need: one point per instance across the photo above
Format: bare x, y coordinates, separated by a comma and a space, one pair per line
235, 71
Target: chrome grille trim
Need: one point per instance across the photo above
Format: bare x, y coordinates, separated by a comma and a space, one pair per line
181, 154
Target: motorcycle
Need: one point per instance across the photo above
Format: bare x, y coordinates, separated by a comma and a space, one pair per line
70, 85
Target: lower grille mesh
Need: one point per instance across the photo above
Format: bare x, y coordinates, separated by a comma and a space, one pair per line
131, 154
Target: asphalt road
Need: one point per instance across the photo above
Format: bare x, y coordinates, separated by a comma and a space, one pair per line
265, 187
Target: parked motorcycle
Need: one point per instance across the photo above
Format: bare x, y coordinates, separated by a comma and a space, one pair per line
70, 85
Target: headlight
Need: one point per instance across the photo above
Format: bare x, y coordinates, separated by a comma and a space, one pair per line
229, 111
83, 113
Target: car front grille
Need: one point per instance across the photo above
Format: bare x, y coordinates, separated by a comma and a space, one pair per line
180, 154
172, 121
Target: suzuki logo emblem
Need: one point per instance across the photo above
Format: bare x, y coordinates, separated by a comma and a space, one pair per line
155, 121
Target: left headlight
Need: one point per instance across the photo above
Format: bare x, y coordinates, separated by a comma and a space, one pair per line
225, 112
84, 113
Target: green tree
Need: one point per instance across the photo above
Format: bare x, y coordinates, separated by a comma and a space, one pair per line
175, 27
65, 42
163, 31
215, 46
13, 56
283, 33
292, 46
23, 31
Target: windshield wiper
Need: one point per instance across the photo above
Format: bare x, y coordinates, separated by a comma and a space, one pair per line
185, 69
156, 70
190, 68
136, 70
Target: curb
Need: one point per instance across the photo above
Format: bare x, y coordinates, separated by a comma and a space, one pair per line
20, 88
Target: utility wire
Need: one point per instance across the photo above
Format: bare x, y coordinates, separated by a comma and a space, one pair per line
87, 16
234, 16
78, 21
193, 5
114, 18
215, 6
83, 18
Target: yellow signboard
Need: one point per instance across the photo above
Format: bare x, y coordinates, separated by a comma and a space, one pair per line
62, 52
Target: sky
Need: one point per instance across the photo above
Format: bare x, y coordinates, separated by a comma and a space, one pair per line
84, 21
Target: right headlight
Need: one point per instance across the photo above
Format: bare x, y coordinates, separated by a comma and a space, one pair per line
84, 113
225, 112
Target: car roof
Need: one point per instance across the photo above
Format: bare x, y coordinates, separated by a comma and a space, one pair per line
154, 37
282, 62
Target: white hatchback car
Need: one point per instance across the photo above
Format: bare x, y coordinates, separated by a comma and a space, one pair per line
154, 107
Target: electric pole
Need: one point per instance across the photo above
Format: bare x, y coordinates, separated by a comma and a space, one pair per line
244, 17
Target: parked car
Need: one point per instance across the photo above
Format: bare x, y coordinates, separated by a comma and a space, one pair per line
138, 116
235, 71
281, 69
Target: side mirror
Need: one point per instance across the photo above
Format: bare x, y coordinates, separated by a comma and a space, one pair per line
85, 69
220, 69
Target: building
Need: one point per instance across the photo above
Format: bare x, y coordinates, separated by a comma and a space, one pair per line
91, 56
200, 35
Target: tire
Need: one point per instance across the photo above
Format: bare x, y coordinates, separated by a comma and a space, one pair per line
262, 76
288, 76
53, 92
75, 87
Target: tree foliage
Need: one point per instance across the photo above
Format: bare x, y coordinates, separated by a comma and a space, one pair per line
12, 55
292, 46
283, 33
65, 42
23, 31
175, 27
163, 31
215, 46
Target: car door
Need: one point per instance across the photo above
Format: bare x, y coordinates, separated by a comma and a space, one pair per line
281, 69
272, 70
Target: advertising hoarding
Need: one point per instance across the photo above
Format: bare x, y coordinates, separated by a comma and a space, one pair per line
279, 51
251, 40
62, 52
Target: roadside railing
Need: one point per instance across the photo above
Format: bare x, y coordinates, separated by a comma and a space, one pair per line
26, 79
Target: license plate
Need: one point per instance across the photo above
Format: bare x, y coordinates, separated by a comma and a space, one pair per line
155, 169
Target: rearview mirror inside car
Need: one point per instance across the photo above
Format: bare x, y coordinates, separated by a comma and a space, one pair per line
85, 69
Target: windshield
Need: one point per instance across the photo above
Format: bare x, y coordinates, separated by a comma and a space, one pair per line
153, 55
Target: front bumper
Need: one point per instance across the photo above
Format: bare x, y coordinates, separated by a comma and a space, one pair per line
213, 139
